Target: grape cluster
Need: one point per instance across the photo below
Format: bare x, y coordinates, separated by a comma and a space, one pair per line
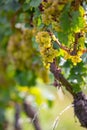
74, 58
51, 12
44, 39
47, 51
20, 49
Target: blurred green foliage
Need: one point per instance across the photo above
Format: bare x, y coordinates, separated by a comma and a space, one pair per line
20, 59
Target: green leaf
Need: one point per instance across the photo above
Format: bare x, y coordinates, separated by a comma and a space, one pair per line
63, 38
65, 22
76, 88
11, 5
25, 78
27, 1
65, 18
26, 6
35, 3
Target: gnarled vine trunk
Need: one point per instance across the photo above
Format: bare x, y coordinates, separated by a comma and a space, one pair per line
80, 108
80, 99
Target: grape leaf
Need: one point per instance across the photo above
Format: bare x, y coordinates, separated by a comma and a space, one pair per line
35, 3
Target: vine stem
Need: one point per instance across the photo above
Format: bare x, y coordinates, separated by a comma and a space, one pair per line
58, 42
62, 46
58, 75
74, 50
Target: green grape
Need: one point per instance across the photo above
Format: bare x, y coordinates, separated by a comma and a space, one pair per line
44, 39
47, 51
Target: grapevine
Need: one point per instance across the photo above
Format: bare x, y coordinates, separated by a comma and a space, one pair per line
40, 39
